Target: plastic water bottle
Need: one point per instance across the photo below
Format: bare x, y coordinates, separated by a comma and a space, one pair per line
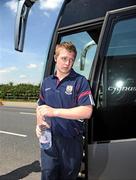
45, 139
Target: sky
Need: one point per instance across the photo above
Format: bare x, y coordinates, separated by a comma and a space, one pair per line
26, 67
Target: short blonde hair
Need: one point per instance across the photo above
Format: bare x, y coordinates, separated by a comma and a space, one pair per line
66, 45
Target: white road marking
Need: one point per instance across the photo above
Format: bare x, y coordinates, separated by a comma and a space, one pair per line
28, 113
14, 134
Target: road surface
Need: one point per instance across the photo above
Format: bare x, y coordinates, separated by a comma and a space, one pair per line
19, 148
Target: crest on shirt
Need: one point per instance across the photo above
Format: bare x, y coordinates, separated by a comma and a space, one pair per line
69, 89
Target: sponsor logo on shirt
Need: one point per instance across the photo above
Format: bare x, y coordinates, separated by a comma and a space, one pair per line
47, 89
69, 89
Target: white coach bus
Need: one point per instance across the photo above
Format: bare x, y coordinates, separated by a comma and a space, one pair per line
104, 33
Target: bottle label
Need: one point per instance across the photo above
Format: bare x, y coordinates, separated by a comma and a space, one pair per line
46, 139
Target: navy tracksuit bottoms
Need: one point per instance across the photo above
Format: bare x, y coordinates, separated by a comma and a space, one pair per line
63, 160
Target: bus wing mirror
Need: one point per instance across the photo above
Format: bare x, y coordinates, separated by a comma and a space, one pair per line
21, 20
84, 52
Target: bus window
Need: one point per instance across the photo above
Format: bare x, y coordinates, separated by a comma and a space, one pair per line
85, 51
116, 103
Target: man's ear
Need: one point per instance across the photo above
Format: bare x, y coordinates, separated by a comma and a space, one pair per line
55, 58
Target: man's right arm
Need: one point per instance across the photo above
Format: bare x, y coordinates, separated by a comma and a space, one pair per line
40, 120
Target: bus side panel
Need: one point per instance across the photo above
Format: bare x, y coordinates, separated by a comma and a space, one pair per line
112, 161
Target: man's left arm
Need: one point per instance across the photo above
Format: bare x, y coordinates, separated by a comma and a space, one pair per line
80, 112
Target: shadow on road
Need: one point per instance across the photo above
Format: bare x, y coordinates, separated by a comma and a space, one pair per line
22, 172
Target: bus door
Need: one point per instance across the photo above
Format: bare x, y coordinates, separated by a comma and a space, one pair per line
112, 131
85, 40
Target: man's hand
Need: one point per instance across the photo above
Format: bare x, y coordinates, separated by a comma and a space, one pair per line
41, 123
45, 111
41, 128
38, 131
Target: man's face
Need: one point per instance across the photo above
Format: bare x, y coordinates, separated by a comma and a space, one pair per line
65, 61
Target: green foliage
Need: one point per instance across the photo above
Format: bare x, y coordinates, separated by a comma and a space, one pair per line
27, 92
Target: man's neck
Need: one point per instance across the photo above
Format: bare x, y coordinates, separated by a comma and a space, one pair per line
61, 76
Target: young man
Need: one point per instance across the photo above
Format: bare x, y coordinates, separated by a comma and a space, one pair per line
66, 99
